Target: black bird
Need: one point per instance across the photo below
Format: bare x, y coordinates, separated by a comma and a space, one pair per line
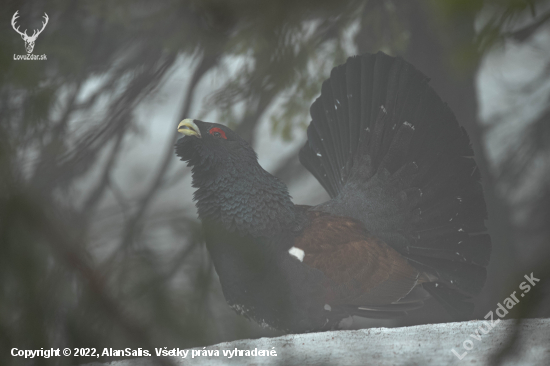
405, 220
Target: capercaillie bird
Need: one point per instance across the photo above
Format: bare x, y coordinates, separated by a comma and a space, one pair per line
405, 220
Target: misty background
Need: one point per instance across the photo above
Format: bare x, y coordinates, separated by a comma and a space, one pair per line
99, 238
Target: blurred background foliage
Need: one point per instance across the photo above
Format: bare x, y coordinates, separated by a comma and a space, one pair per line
97, 256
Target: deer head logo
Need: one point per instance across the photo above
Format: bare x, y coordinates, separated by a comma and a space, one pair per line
29, 41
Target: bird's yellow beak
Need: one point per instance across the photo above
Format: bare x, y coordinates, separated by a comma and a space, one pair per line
188, 128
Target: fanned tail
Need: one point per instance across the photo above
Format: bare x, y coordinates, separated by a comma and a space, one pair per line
391, 154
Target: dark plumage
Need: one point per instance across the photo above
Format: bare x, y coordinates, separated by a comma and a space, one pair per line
405, 219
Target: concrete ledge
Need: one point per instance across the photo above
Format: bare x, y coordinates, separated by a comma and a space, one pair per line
423, 345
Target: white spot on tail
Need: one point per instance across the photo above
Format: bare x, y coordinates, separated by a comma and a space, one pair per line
408, 125
297, 252
239, 309
327, 307
263, 324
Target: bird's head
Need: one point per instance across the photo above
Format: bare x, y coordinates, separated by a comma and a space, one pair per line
232, 188
205, 144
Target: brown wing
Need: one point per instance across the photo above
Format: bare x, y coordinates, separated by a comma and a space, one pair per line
361, 269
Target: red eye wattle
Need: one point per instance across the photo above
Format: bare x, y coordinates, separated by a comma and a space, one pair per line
217, 132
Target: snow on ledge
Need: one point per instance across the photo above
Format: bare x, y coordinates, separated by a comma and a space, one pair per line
423, 345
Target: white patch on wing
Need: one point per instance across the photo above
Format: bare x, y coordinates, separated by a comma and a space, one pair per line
327, 307
297, 252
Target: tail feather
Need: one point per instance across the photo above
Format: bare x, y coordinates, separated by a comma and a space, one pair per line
397, 152
391, 154
334, 120
324, 153
457, 305
339, 99
354, 106
474, 249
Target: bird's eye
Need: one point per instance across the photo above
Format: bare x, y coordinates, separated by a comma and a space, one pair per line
218, 132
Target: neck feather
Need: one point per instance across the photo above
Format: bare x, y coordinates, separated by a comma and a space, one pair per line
244, 198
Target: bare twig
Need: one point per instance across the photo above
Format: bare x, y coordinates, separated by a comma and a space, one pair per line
205, 64
524, 33
94, 197
59, 241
